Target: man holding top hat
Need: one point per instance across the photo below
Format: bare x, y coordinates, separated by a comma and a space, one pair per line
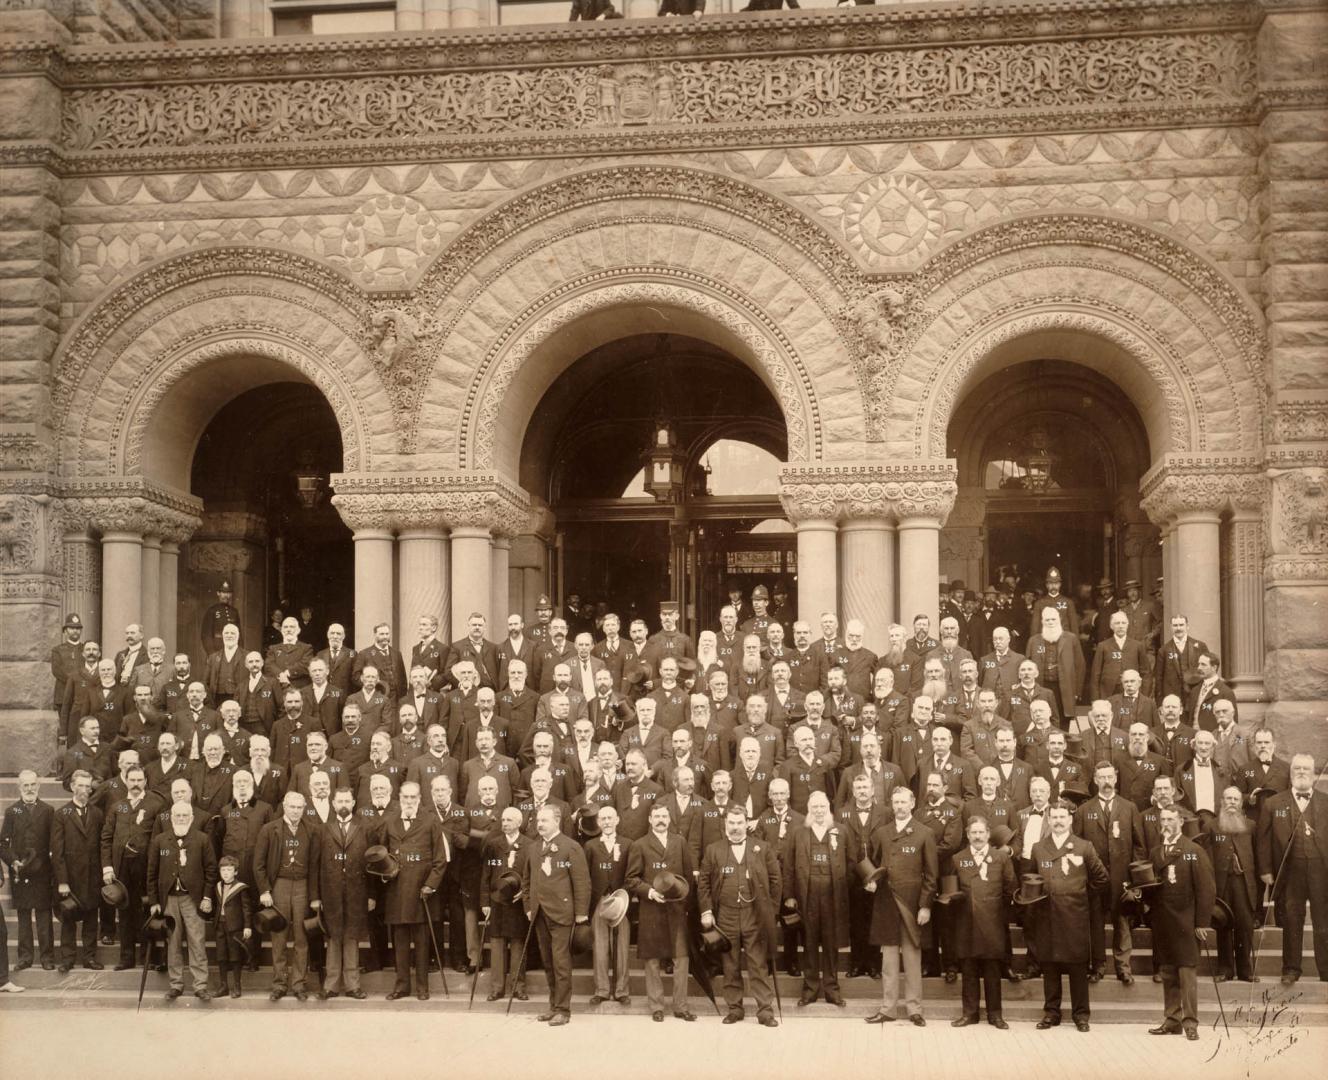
182, 874
905, 849
1230, 842
556, 885
505, 852
339, 892
1180, 902
1114, 827
1067, 868
606, 858
659, 870
818, 866
978, 900
739, 884
417, 843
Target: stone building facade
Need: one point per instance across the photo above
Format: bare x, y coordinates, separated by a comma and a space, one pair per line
876, 211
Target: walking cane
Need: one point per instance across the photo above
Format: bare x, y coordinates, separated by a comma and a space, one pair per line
1216, 989
436, 954
520, 967
475, 980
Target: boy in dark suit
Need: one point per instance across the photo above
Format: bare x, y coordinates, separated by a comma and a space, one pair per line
233, 924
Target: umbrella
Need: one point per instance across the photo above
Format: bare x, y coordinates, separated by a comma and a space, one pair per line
475, 981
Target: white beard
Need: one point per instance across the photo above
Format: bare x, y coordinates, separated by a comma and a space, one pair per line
1051, 635
934, 689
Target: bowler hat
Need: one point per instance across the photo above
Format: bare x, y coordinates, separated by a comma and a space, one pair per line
587, 821
1001, 835
1143, 875
508, 888
956, 586
613, 907
670, 886
270, 920
159, 927
1075, 791
115, 894
313, 925
1032, 888
686, 665
70, 906
1222, 914
950, 889
378, 860
869, 871
583, 938
713, 942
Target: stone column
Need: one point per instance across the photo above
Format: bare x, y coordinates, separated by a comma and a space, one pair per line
466, 13
867, 577
437, 14
472, 569
151, 602
410, 14
82, 564
1198, 573
373, 582
919, 568
423, 585
168, 603
1242, 599
122, 586
500, 606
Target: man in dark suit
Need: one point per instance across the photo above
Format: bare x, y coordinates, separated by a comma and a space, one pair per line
1060, 661
258, 695
1292, 854
287, 847
25, 846
1138, 767
1266, 774
662, 924
1210, 689
133, 654
1131, 704
738, 886
478, 650
322, 700
126, 830
1230, 841
107, 699
288, 660
386, 659
339, 659
88, 753
65, 656
1177, 669
1113, 826
818, 867
223, 672
75, 862
182, 874
1114, 656
555, 882
859, 817
430, 653
987, 883
1201, 781
1181, 913
416, 840
82, 678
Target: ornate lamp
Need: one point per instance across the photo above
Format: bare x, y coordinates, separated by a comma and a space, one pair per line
665, 472
308, 481
1038, 463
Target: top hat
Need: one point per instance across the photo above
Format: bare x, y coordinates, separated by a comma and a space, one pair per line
1053, 574
670, 885
69, 905
789, 918
1223, 917
270, 920
1075, 791
587, 821
508, 888
1131, 583
1143, 875
950, 889
378, 860
686, 665
1032, 888
583, 938
159, 927
313, 925
869, 871
635, 676
1074, 744
760, 593
969, 594
613, 907
115, 894
72, 619
1001, 835
713, 942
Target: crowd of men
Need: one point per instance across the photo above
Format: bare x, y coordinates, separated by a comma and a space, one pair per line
751, 797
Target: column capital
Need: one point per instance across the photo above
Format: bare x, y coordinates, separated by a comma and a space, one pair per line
846, 491
432, 501
1201, 484
129, 504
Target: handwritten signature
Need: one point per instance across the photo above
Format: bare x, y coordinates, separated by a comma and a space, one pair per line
1261, 1031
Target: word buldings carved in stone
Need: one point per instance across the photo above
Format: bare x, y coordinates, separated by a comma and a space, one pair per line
1179, 69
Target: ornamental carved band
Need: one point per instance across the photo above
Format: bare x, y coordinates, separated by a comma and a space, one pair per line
1214, 69
848, 492
413, 502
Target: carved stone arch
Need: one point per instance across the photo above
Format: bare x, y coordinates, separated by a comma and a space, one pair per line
171, 321
750, 333
267, 342
1171, 329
